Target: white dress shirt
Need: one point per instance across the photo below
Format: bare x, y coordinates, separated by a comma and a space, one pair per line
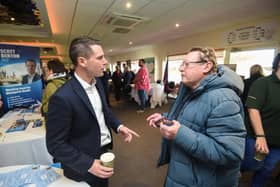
96, 104
30, 78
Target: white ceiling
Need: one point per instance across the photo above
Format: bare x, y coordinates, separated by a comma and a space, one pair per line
65, 19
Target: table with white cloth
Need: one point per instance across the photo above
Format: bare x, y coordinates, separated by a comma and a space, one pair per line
156, 94
24, 146
35, 176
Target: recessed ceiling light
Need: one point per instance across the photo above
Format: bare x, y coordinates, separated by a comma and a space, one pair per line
130, 43
128, 5
12, 19
177, 25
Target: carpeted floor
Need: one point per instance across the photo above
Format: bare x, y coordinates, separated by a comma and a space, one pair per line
135, 164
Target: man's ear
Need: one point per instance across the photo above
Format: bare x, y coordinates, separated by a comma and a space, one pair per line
82, 61
207, 67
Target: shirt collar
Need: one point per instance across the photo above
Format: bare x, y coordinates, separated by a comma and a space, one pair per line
84, 84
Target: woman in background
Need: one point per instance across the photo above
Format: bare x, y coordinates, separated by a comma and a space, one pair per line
256, 72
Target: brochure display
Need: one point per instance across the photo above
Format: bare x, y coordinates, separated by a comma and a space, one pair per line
15, 75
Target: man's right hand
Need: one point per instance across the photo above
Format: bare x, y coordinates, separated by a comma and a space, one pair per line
153, 119
100, 171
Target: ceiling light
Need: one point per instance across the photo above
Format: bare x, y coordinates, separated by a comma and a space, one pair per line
177, 25
128, 5
130, 43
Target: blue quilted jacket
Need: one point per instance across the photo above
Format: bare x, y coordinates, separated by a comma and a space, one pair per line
210, 143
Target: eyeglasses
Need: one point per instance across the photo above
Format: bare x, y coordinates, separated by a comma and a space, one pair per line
187, 64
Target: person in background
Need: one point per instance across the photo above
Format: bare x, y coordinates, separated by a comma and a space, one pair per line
1, 105
117, 79
204, 132
32, 76
128, 77
79, 119
263, 127
256, 72
56, 78
142, 84
105, 80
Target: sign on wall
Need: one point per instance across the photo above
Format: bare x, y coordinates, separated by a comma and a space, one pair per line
20, 81
251, 34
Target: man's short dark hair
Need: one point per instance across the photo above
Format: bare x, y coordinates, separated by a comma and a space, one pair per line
56, 66
30, 60
80, 47
142, 60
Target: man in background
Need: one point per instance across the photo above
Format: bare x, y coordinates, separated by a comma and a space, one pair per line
79, 119
32, 76
142, 84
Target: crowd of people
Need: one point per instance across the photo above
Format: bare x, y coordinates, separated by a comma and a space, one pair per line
211, 134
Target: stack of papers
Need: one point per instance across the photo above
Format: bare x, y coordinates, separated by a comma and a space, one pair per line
19, 125
29, 176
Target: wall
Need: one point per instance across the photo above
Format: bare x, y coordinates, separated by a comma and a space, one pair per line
214, 38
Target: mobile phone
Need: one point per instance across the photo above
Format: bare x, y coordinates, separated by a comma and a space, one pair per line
165, 121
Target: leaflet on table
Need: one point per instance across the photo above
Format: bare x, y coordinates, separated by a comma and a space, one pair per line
19, 125
15, 73
33, 176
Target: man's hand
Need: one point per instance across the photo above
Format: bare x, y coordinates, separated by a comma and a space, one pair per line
154, 119
127, 133
170, 131
100, 171
261, 145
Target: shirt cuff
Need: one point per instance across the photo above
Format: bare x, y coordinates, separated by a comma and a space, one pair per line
118, 129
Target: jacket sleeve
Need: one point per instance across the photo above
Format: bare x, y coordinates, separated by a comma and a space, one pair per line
223, 143
58, 127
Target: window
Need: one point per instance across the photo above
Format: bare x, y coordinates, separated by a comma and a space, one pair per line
245, 59
174, 63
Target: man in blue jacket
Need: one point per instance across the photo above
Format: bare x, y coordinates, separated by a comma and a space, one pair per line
79, 119
204, 140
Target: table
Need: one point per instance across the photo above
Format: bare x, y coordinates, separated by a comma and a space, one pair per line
156, 94
22, 147
62, 181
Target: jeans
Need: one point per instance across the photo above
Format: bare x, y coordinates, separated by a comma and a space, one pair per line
263, 169
143, 97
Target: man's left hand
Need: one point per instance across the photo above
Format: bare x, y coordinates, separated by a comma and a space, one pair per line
127, 133
170, 131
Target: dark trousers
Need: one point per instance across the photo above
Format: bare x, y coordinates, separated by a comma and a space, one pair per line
262, 169
91, 179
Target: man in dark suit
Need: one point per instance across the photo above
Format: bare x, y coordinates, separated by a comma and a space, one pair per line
79, 119
32, 76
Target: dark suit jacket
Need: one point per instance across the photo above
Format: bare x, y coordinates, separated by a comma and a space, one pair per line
73, 133
25, 78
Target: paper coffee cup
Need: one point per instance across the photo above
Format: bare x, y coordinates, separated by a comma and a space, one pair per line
259, 156
107, 159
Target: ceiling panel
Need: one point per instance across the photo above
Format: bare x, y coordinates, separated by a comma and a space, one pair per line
193, 15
